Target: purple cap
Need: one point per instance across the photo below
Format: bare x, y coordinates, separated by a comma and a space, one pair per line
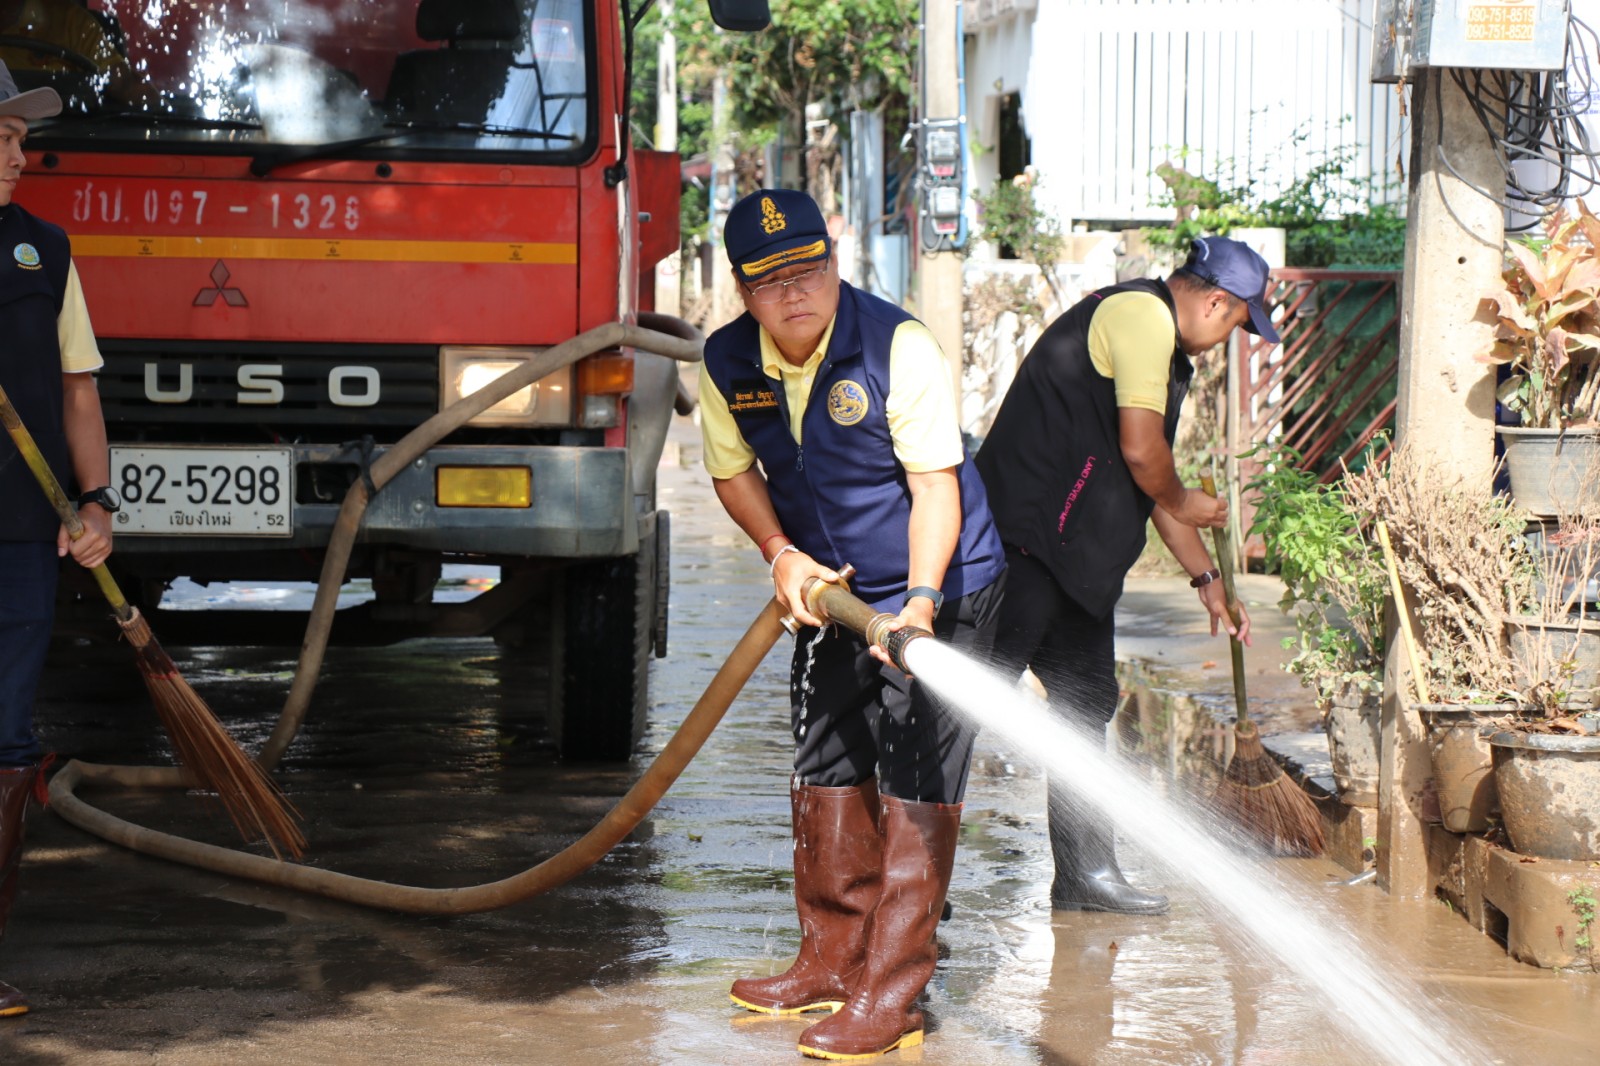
1238, 269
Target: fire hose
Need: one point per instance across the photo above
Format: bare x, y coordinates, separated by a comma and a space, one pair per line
665, 336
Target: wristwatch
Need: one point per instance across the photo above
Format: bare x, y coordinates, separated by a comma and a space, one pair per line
1202, 580
927, 592
105, 496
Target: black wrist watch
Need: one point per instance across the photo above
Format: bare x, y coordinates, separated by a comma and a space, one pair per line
105, 496
928, 593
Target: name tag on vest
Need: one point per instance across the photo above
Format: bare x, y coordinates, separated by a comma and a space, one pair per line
752, 396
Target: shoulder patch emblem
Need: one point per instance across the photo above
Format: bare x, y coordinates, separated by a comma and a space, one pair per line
847, 403
772, 220
27, 256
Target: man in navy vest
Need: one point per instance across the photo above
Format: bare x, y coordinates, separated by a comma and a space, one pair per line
1079, 459
831, 435
47, 353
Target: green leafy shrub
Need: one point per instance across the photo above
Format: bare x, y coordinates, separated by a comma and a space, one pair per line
1333, 576
1313, 210
1010, 216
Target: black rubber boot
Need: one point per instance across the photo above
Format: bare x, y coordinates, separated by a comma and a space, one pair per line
1087, 877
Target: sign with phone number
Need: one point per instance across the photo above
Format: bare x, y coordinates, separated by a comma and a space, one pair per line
212, 492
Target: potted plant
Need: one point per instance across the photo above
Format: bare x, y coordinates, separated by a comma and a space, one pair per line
1547, 332
1334, 591
1547, 767
1555, 637
1460, 556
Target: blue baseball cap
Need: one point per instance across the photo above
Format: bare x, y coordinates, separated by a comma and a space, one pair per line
1239, 270
774, 228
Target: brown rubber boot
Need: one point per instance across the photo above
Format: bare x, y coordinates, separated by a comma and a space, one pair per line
919, 851
15, 785
838, 866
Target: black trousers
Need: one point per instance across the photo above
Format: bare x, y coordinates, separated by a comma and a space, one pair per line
1072, 652
853, 717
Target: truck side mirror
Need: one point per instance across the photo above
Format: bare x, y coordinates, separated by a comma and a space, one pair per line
742, 15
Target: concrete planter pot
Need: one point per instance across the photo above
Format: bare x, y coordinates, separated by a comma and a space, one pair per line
1354, 724
1549, 788
1463, 766
1550, 470
1537, 647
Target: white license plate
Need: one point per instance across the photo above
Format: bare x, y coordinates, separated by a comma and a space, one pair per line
208, 492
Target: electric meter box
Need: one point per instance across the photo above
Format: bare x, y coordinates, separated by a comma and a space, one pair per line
1487, 34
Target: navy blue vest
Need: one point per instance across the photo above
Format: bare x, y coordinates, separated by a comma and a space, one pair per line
842, 498
1053, 459
34, 257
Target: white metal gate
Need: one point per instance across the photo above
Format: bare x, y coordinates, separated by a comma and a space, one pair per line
1258, 89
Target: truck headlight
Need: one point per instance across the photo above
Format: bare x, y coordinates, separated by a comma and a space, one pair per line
465, 370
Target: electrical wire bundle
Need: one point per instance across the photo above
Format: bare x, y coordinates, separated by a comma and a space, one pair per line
1535, 120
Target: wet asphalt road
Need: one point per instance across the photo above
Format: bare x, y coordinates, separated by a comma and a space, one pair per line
427, 764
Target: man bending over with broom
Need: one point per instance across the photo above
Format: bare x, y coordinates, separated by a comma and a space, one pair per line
1079, 459
47, 353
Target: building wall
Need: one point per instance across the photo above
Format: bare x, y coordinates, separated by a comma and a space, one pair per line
999, 49
1259, 89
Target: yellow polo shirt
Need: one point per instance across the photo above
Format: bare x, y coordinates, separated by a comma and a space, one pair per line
920, 407
79, 352
1131, 339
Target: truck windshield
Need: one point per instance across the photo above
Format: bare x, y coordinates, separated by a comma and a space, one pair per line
382, 77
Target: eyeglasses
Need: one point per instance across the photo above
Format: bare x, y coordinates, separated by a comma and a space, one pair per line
773, 291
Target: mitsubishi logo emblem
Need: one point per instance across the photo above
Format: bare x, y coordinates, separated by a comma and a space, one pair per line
219, 281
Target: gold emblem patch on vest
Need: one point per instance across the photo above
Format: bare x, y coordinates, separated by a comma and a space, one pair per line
847, 403
27, 256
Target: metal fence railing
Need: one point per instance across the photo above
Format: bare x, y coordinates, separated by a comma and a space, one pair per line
1329, 390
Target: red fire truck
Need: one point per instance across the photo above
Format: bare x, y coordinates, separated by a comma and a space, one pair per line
306, 226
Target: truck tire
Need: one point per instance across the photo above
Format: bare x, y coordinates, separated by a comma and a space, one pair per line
606, 644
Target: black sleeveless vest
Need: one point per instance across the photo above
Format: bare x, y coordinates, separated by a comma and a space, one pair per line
842, 497
1058, 485
34, 258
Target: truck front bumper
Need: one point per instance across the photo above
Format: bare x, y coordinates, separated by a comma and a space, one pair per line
582, 507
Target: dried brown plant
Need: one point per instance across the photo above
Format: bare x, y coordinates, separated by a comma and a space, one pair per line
1552, 677
1462, 558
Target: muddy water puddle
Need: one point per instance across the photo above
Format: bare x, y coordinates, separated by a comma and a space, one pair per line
429, 764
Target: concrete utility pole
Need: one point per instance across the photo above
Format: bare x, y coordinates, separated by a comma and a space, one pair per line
1454, 251
939, 291
725, 305
669, 272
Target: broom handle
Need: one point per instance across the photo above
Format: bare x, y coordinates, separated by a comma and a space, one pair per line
1220, 541
1413, 651
58, 499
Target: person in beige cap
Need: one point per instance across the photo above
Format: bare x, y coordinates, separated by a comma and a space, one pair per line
46, 364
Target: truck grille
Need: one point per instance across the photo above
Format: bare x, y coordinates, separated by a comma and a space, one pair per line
312, 377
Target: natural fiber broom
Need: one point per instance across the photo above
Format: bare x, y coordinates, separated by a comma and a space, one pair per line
1255, 793
203, 746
